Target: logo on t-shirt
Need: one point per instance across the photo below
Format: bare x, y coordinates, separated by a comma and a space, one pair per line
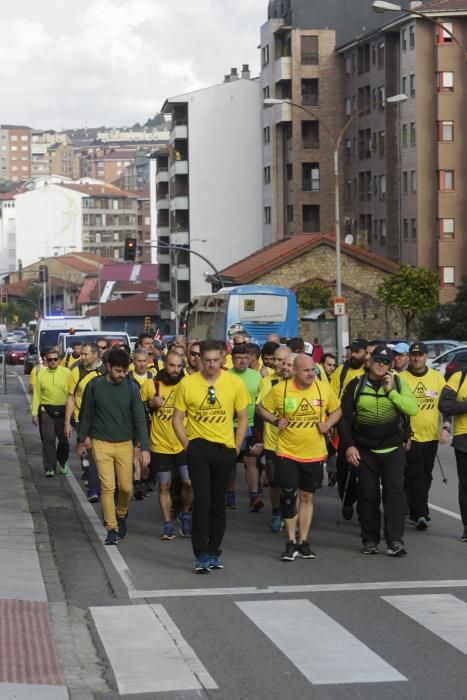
425, 398
165, 412
306, 414
210, 411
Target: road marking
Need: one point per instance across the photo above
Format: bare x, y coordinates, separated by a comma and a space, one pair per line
443, 614
310, 638
26, 691
147, 651
305, 588
444, 511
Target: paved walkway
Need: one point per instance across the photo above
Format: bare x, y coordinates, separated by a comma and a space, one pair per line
29, 663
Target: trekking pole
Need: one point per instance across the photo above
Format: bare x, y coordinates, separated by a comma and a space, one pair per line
445, 481
346, 488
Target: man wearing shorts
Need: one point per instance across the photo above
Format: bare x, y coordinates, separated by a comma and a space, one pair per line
167, 453
303, 410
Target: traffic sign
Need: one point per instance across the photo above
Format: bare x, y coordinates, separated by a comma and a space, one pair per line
339, 306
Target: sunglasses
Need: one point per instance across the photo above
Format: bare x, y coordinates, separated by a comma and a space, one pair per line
52, 359
195, 354
382, 361
211, 395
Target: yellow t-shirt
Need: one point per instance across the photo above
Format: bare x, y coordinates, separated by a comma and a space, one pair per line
427, 390
336, 378
304, 408
68, 360
32, 376
228, 362
460, 421
210, 415
269, 431
162, 436
323, 377
76, 386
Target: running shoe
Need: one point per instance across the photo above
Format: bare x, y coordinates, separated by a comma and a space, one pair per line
203, 564
185, 524
421, 524
396, 549
138, 492
256, 504
370, 548
122, 527
169, 532
230, 500
63, 469
290, 551
93, 496
276, 523
216, 562
304, 551
112, 537
49, 473
464, 535
332, 478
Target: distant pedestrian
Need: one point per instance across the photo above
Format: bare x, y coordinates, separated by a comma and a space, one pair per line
318, 350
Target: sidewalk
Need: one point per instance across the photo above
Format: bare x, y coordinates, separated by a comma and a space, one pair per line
29, 663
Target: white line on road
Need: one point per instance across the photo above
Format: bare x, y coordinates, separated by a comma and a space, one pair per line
443, 614
444, 511
310, 638
147, 651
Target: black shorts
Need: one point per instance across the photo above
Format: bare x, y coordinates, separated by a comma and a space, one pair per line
248, 442
161, 462
307, 476
271, 467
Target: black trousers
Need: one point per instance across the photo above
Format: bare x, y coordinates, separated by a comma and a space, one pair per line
55, 447
419, 475
94, 483
461, 461
386, 469
209, 464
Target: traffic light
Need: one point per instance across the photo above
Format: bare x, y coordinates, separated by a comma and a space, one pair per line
130, 249
43, 273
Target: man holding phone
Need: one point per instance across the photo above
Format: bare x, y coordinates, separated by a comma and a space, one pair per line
373, 431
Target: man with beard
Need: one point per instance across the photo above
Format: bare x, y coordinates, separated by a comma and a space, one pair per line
401, 357
342, 376
167, 453
193, 363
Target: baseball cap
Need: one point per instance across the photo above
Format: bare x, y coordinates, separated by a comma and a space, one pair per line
401, 348
419, 347
358, 344
382, 352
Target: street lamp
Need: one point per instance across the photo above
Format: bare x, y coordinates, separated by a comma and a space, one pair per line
384, 6
336, 144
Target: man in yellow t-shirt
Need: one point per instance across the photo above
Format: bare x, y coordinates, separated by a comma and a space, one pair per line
303, 410
167, 453
209, 400
426, 385
453, 402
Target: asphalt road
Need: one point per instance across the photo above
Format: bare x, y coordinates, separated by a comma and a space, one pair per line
342, 625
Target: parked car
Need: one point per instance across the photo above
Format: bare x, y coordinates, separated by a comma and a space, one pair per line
448, 362
16, 352
438, 347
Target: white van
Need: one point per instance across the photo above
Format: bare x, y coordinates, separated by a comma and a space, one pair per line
65, 339
49, 328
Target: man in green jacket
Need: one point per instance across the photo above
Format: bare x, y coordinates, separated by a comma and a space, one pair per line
48, 412
373, 432
112, 416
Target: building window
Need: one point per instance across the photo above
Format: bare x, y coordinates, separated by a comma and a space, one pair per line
267, 175
363, 59
348, 65
412, 36
289, 213
405, 134
382, 187
348, 192
381, 54
442, 36
267, 215
382, 143
97, 238
13, 138
413, 229
445, 131
382, 230
413, 134
381, 97
348, 107
309, 52
405, 182
404, 85
267, 134
116, 236
446, 229
413, 180
447, 276
266, 93
310, 134
289, 170
310, 177
412, 85
405, 229
310, 92
288, 131
445, 180
265, 53
373, 54
116, 253
311, 218
445, 81
404, 39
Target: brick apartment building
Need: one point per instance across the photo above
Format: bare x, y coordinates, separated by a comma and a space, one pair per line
15, 152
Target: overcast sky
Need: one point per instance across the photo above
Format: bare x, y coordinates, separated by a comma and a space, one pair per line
113, 62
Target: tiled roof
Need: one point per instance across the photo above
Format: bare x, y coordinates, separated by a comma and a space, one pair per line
89, 293
276, 254
98, 190
136, 305
146, 272
443, 6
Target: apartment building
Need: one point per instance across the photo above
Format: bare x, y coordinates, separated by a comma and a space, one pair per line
405, 165
299, 64
7, 232
107, 164
15, 152
207, 188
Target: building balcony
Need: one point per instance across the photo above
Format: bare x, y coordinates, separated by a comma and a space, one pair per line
162, 231
183, 274
178, 167
179, 203
164, 286
162, 176
282, 113
179, 131
180, 238
283, 69
162, 202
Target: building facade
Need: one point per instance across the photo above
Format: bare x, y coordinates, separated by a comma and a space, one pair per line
15, 152
7, 233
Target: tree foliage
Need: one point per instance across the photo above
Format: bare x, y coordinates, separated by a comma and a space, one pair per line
314, 297
412, 290
448, 320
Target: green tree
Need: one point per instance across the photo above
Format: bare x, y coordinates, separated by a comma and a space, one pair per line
412, 290
448, 320
314, 297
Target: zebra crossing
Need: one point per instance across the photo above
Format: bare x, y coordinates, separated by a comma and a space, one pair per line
148, 653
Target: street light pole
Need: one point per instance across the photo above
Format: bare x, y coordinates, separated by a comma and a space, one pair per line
336, 144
